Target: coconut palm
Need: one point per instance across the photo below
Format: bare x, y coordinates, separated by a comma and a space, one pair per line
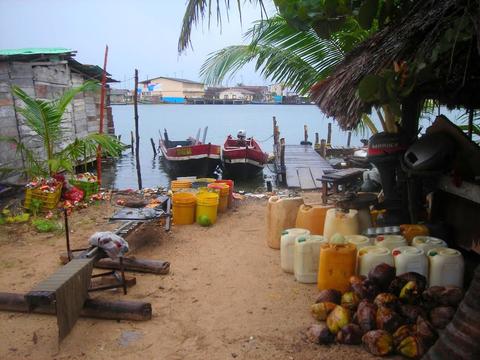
44, 118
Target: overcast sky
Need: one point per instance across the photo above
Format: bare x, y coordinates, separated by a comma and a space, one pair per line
140, 34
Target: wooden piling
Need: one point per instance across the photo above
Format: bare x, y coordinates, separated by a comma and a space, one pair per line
317, 139
349, 138
305, 134
329, 134
323, 148
282, 153
153, 147
132, 142
275, 131
137, 136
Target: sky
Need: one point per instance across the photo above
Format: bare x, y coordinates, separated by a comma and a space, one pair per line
140, 34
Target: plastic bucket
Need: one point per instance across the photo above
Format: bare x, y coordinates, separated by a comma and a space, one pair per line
230, 196
207, 205
202, 182
224, 193
176, 185
183, 208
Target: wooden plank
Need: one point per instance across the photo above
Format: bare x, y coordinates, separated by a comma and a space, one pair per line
305, 178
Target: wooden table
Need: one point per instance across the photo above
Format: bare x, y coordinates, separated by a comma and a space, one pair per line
340, 177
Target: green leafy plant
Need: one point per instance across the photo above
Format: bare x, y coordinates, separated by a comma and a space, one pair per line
45, 225
44, 118
35, 206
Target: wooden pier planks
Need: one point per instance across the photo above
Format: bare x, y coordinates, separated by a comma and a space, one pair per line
304, 166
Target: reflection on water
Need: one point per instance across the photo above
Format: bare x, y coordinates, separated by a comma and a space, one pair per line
182, 121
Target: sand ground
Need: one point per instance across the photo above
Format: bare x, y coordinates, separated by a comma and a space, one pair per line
225, 297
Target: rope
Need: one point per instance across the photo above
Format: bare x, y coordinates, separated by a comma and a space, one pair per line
262, 141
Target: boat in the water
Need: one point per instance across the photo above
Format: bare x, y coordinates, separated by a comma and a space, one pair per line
242, 157
190, 157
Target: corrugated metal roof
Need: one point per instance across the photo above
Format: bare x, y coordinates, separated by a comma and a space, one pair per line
34, 51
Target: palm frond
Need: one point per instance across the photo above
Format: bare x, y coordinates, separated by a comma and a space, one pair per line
68, 95
197, 10
281, 54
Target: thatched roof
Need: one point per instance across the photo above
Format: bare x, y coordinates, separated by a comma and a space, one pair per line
414, 37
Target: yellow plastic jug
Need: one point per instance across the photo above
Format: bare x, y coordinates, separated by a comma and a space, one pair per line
183, 208
207, 205
312, 217
281, 215
337, 264
339, 221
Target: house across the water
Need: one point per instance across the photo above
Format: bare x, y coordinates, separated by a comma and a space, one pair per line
170, 90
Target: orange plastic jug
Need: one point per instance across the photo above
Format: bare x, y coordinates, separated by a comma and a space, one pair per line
281, 215
312, 217
337, 264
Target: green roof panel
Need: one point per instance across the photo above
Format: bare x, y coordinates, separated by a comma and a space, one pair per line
34, 51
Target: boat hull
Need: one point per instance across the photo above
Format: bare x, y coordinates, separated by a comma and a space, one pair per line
191, 160
242, 168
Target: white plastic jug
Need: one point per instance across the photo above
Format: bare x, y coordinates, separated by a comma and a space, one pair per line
428, 242
359, 241
281, 215
287, 246
305, 258
410, 259
390, 241
446, 267
371, 256
338, 221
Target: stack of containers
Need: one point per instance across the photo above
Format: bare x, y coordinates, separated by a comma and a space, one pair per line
230, 183
223, 191
177, 185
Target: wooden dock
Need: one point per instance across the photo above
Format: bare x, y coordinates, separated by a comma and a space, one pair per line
303, 166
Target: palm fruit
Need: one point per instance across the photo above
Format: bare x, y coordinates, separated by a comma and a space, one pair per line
425, 331
329, 295
382, 275
350, 300
387, 300
366, 316
410, 293
378, 342
418, 278
411, 347
387, 319
337, 319
319, 334
321, 310
441, 316
350, 334
402, 332
411, 312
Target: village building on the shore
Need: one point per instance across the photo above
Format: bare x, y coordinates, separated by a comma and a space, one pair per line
46, 73
170, 90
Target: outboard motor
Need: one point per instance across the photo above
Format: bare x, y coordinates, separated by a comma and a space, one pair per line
385, 151
431, 153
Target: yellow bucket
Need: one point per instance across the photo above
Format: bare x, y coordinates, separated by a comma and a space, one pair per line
183, 208
177, 185
224, 193
207, 205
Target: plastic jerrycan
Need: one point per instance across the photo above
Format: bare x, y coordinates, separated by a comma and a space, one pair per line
281, 215
341, 222
312, 217
371, 256
390, 241
410, 259
287, 247
337, 264
305, 258
428, 242
446, 267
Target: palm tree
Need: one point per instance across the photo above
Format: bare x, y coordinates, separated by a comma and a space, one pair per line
44, 118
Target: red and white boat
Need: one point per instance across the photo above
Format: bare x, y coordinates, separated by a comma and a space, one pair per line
242, 157
190, 157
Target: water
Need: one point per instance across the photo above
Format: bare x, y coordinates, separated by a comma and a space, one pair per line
183, 121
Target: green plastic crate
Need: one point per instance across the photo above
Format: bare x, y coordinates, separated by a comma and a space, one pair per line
89, 188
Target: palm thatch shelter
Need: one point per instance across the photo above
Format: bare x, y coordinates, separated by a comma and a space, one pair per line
437, 38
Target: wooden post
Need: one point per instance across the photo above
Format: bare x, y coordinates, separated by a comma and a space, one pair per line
132, 142
93, 308
275, 131
282, 153
137, 136
305, 134
349, 138
317, 141
470, 124
102, 112
329, 134
323, 148
153, 147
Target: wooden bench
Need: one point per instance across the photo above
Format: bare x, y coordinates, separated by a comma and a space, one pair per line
337, 178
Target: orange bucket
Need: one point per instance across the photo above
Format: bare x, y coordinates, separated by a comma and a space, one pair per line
223, 193
230, 195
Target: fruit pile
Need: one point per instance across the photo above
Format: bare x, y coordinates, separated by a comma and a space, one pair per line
44, 185
86, 177
385, 313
